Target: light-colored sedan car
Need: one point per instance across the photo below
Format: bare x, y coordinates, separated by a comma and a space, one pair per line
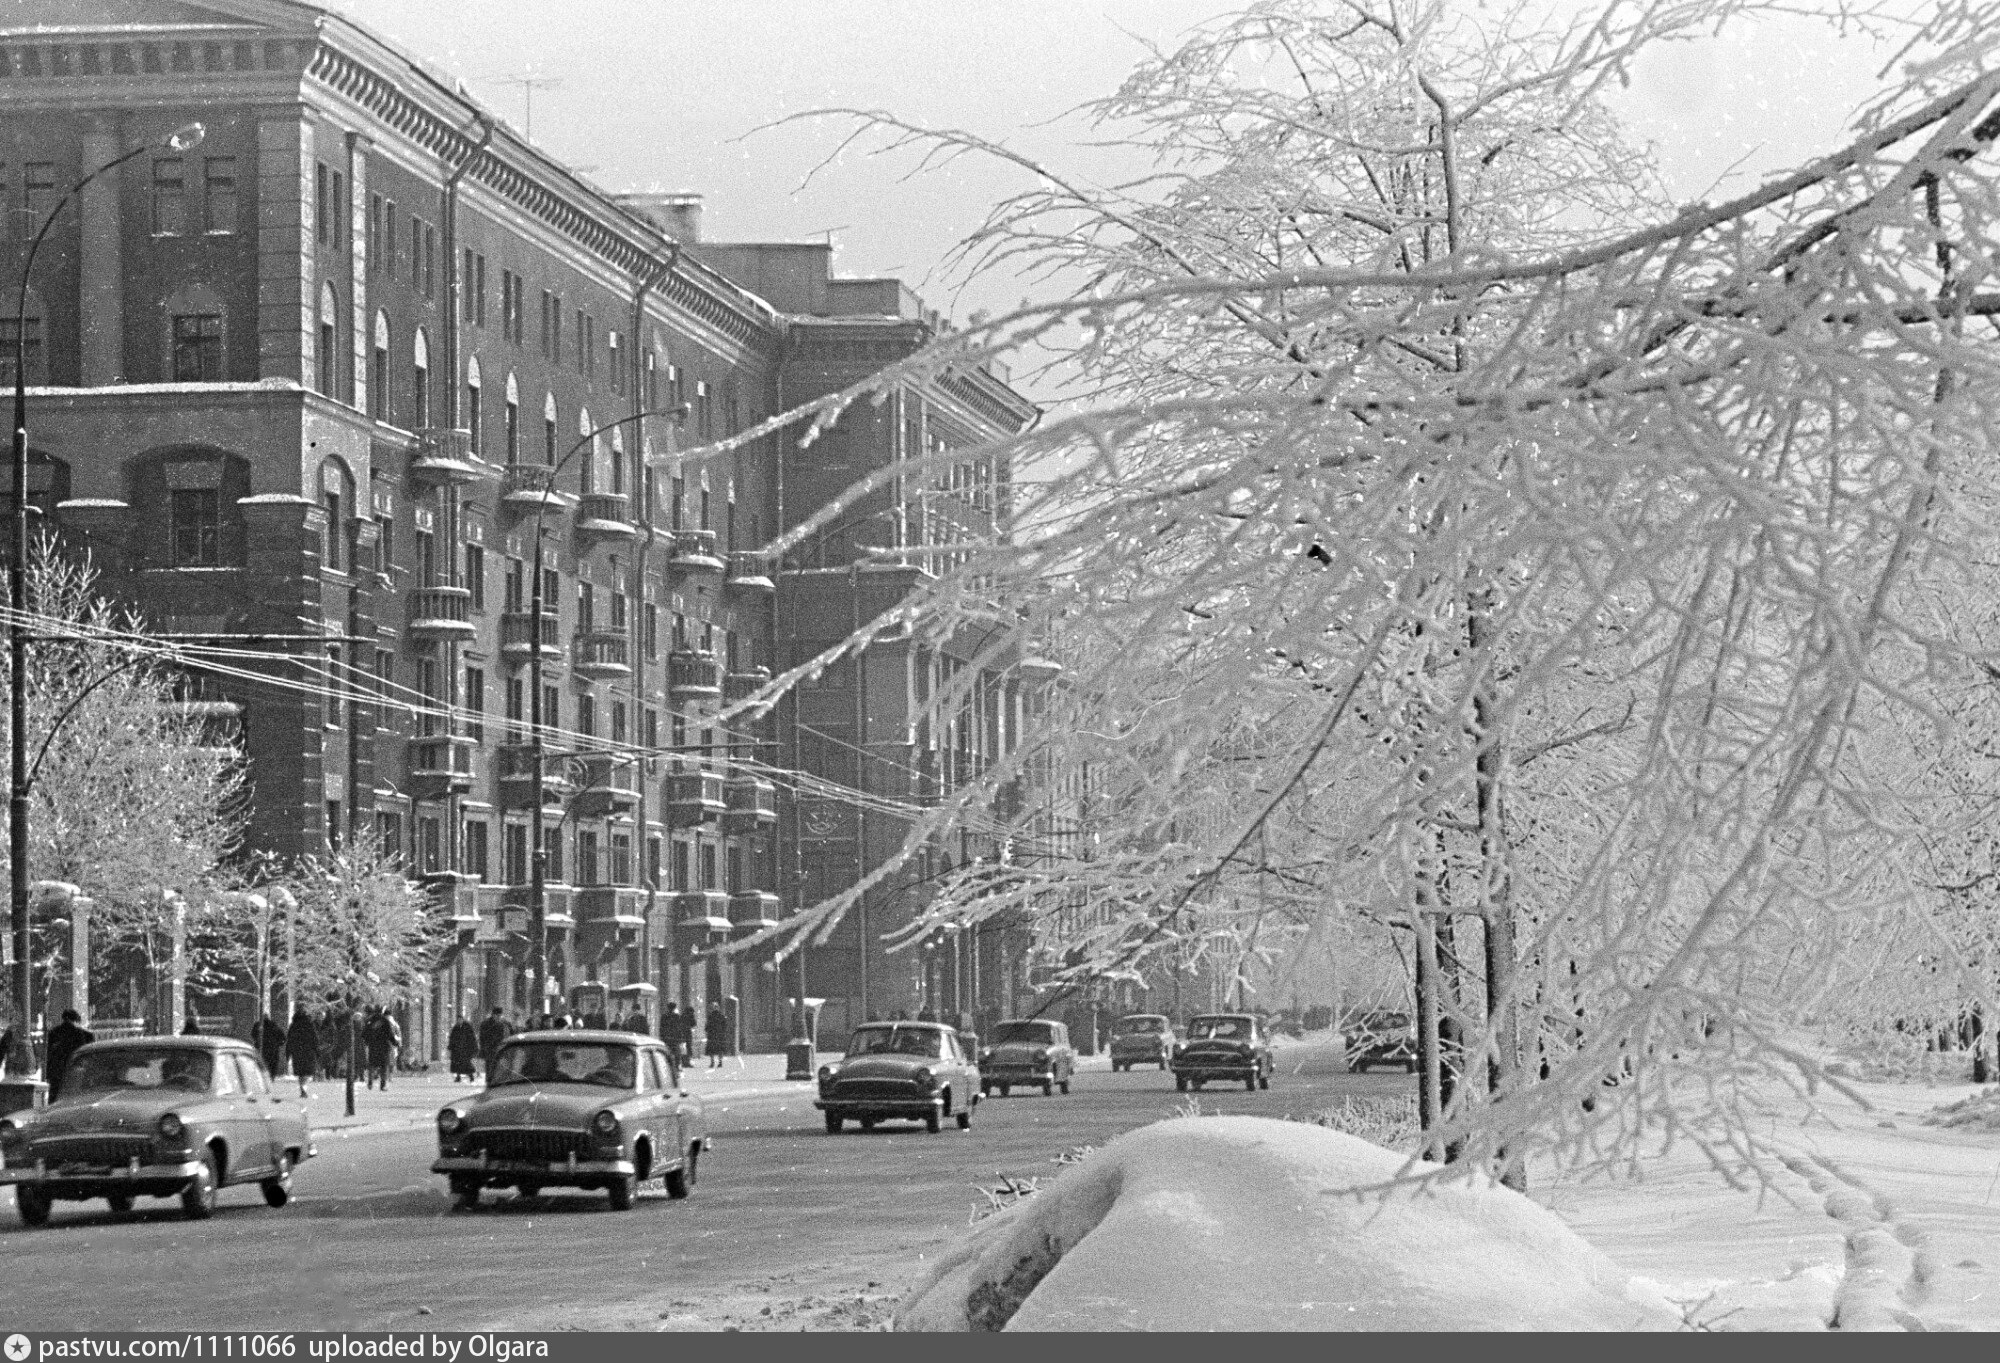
1142, 1039
1031, 1052
913, 1071
578, 1109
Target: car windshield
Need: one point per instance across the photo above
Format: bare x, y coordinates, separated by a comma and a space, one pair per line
894, 1041
556, 1062
172, 1069
1386, 1024
1140, 1026
1202, 1029
1040, 1033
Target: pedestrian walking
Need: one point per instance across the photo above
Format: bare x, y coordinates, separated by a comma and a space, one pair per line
64, 1038
492, 1032
378, 1040
193, 1028
715, 1030
302, 1046
269, 1035
463, 1045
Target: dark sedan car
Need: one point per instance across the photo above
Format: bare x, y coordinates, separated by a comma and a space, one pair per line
1031, 1052
1223, 1046
916, 1071
177, 1116
576, 1109
1142, 1039
1380, 1039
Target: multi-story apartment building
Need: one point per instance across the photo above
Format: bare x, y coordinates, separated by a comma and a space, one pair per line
326, 378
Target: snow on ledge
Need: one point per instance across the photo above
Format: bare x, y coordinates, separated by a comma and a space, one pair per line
1248, 1223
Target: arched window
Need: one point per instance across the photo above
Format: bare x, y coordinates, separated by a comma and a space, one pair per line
379, 405
586, 477
473, 422
549, 431
327, 357
336, 495
195, 335
420, 381
513, 421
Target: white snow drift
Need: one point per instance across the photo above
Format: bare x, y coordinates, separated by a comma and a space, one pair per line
1246, 1223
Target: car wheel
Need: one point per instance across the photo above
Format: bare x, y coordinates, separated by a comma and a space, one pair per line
933, 1122
621, 1187
1064, 1086
1251, 1083
466, 1191
527, 1192
833, 1123
278, 1188
34, 1205
1409, 1067
1163, 1064
198, 1198
867, 1123
121, 1204
680, 1182
964, 1119
1004, 1089
1180, 1083
1263, 1081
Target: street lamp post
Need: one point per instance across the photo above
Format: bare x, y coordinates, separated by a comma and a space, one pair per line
21, 1060
538, 850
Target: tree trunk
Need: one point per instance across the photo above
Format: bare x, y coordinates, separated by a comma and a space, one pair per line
1430, 1107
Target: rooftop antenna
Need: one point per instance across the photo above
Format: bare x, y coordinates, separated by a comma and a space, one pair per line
529, 83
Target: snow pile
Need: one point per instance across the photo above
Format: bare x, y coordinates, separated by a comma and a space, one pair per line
1246, 1223
1979, 1112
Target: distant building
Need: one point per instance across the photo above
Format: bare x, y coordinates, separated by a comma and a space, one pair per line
306, 379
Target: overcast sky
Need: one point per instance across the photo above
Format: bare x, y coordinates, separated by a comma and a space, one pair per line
664, 94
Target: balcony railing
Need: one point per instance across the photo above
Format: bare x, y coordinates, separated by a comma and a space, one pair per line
750, 803
698, 909
517, 634
750, 573
441, 613
695, 552
602, 654
617, 908
607, 514
754, 909
694, 795
692, 673
442, 760
610, 781
524, 487
445, 456
517, 773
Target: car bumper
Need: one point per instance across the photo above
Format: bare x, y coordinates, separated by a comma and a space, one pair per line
547, 1171
880, 1107
1148, 1056
1010, 1074
114, 1177
1202, 1069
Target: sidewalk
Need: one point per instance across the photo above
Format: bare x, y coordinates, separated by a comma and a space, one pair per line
412, 1100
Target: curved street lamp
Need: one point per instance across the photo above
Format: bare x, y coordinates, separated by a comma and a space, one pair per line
21, 1059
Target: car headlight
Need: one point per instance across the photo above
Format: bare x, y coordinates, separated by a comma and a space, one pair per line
827, 1072
1041, 1054
922, 1077
172, 1127
605, 1123
986, 1057
450, 1121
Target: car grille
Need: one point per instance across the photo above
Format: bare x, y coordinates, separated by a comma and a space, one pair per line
93, 1151
529, 1145
874, 1088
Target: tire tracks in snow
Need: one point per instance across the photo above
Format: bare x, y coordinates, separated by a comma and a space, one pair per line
1889, 1267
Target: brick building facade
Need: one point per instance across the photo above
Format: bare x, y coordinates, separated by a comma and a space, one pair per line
309, 379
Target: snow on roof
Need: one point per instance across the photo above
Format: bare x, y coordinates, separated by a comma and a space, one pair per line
1248, 1223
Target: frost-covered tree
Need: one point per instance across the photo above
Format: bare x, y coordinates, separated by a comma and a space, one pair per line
1547, 569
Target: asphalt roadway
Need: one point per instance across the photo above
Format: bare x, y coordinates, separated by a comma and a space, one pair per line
370, 1241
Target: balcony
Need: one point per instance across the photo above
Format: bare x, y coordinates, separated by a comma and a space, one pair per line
610, 782
695, 552
607, 515
517, 775
528, 488
740, 686
753, 910
693, 795
517, 636
444, 457
616, 912
516, 915
749, 573
749, 803
441, 613
439, 763
693, 674
701, 910
602, 655
455, 897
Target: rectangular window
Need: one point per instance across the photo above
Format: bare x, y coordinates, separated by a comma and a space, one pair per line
38, 187
618, 721
430, 845
26, 342
708, 866
548, 305
552, 850
653, 863
374, 234
475, 575
219, 193
479, 291
385, 682
586, 343
555, 329
681, 860
651, 631
389, 834
618, 612
426, 564
475, 704
586, 608
333, 824
430, 261
197, 346
611, 359
652, 382
586, 716
194, 518
321, 204
515, 854
476, 832
339, 211
515, 586
465, 286
333, 684
651, 737
621, 858
552, 707
517, 700
169, 198
385, 544
331, 550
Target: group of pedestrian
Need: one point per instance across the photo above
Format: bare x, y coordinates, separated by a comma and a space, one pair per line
677, 1029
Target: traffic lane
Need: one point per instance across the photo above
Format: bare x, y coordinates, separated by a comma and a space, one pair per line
371, 1242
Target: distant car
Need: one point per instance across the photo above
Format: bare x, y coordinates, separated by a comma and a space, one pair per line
1380, 1039
182, 1116
574, 1109
1142, 1039
910, 1071
1029, 1052
1223, 1046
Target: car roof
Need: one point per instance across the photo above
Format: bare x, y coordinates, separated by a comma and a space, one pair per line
900, 1022
1238, 1017
594, 1035
178, 1043
1129, 1016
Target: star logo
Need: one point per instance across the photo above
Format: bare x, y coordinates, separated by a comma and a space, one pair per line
17, 1348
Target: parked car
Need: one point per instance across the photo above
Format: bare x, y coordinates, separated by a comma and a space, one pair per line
1223, 1046
1142, 1039
910, 1071
574, 1109
1027, 1051
182, 1116
1380, 1039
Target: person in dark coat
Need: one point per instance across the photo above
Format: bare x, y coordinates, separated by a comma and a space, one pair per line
269, 1035
302, 1046
379, 1038
64, 1038
192, 1028
463, 1044
635, 1021
593, 1021
492, 1032
677, 1030
715, 1029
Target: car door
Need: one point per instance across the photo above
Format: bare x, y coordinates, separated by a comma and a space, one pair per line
258, 1099
240, 1122
668, 1107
